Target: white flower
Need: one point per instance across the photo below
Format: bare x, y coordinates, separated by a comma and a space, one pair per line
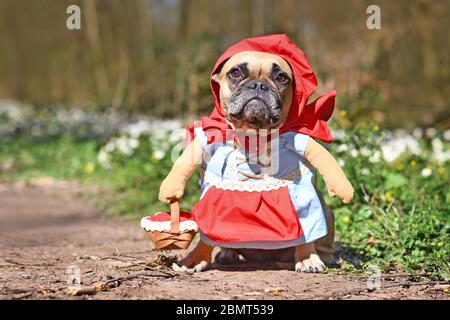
339, 134
392, 150
136, 129
426, 172
342, 148
159, 154
166, 125
412, 145
417, 133
177, 135
102, 156
110, 147
341, 162
133, 143
365, 171
365, 152
437, 145
447, 135
430, 132
354, 153
376, 157
441, 156
390, 154
438, 151
122, 146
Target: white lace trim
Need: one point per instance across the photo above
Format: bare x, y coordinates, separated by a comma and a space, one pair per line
267, 184
148, 225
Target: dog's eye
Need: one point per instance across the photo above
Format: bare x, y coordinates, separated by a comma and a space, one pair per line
235, 73
281, 78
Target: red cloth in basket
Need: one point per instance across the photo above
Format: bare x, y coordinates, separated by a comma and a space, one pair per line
160, 221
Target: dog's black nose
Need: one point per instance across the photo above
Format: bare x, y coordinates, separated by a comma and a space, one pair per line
259, 85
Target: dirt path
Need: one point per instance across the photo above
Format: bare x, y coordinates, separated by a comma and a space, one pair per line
46, 228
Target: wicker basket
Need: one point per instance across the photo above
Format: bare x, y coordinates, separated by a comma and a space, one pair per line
173, 238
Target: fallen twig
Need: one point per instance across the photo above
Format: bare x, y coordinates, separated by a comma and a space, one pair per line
22, 295
149, 269
113, 258
135, 275
80, 291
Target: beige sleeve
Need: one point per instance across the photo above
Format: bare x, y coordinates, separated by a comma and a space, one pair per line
173, 185
335, 179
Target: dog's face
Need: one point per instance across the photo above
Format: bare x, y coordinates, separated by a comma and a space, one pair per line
255, 90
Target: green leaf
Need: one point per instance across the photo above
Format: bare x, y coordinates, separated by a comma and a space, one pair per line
395, 180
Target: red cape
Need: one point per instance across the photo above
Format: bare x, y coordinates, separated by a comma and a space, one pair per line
309, 119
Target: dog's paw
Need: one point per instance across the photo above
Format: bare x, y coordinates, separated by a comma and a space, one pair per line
312, 264
201, 266
194, 263
228, 256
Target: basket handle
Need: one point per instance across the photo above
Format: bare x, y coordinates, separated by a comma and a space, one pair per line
175, 217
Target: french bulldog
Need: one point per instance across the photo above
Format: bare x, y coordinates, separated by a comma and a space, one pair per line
256, 92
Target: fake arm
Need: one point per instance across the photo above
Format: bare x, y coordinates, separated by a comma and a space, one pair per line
335, 179
173, 185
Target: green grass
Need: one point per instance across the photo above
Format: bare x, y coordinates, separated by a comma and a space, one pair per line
64, 157
398, 220
131, 183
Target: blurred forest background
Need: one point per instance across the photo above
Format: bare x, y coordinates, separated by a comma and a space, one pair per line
106, 105
154, 57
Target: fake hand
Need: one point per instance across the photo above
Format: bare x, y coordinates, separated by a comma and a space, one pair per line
171, 188
343, 189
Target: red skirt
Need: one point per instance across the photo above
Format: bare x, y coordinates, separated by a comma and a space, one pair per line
242, 216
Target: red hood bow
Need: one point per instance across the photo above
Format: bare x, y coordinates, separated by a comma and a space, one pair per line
309, 119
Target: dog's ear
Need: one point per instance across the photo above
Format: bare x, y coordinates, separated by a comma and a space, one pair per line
216, 77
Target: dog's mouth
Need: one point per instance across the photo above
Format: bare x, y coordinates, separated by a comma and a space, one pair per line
255, 114
256, 100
